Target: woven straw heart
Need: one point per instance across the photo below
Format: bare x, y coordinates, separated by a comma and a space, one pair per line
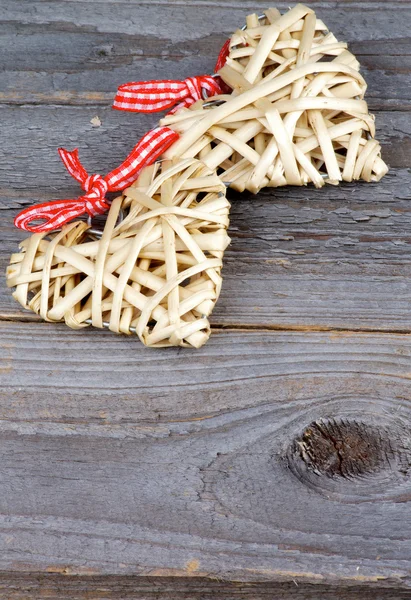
296, 114
156, 273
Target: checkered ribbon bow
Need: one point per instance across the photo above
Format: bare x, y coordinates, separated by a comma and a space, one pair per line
57, 213
154, 96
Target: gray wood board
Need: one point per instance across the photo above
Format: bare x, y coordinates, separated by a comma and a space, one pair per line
31, 135
183, 21
300, 258
78, 53
116, 460
54, 586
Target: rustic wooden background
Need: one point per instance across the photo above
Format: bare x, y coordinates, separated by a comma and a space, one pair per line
275, 462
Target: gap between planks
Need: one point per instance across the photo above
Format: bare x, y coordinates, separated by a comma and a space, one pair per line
246, 6
217, 328
98, 100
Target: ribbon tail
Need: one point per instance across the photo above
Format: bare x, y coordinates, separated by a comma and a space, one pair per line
53, 215
73, 165
151, 146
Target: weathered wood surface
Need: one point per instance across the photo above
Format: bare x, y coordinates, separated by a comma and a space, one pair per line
119, 460
71, 52
277, 459
37, 167
335, 259
61, 587
330, 258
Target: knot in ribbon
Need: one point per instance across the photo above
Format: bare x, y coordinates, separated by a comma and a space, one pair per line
95, 184
157, 95
57, 213
96, 188
93, 201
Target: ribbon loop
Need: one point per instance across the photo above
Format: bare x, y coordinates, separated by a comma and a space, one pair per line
154, 96
223, 55
51, 214
57, 213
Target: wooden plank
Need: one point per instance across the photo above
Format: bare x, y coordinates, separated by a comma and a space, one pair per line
260, 457
67, 587
281, 251
77, 53
31, 161
217, 17
300, 258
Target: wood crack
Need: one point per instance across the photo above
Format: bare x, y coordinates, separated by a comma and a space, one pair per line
221, 328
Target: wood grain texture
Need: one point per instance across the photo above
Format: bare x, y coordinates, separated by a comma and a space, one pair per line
199, 476
37, 167
337, 258
216, 17
62, 587
79, 52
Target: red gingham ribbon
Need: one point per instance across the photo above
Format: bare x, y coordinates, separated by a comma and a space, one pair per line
153, 96
59, 212
222, 57
221, 60
157, 95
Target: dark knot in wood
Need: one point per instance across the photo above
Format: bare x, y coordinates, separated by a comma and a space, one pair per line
343, 448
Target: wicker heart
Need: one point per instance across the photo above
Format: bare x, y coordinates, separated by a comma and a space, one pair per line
156, 273
296, 114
